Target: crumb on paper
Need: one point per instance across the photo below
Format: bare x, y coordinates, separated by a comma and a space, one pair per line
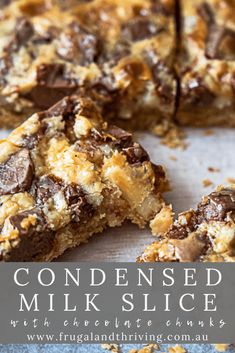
162, 221
213, 170
231, 180
149, 348
173, 158
111, 347
221, 347
175, 138
171, 135
208, 132
207, 182
177, 349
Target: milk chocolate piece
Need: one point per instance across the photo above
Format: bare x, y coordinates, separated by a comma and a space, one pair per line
33, 241
16, 174
52, 85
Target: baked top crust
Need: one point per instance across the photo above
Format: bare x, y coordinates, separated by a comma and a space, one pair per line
206, 64
205, 234
65, 175
121, 54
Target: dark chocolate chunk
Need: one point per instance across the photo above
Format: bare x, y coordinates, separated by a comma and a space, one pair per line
217, 206
207, 13
24, 31
5, 65
119, 138
76, 201
216, 35
34, 237
49, 185
121, 49
160, 74
46, 37
46, 187
198, 94
160, 7
65, 107
52, 85
139, 29
4, 3
178, 231
119, 133
16, 173
191, 248
136, 154
78, 45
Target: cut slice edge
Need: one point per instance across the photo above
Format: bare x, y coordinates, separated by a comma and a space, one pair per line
65, 174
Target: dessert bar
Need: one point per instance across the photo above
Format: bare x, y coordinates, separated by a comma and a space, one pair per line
65, 174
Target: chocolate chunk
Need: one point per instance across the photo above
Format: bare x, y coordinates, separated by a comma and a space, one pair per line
4, 3
178, 232
163, 7
215, 38
78, 45
136, 154
16, 173
24, 31
47, 36
65, 107
118, 138
139, 29
207, 13
76, 200
160, 177
45, 188
121, 49
161, 74
216, 34
52, 85
34, 237
119, 133
198, 94
217, 206
5, 65
49, 185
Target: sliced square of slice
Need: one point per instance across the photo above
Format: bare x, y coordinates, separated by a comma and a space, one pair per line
65, 175
207, 63
206, 234
120, 52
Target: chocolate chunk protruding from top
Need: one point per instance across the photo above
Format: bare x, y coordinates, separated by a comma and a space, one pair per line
16, 173
136, 154
139, 29
52, 85
78, 45
24, 31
